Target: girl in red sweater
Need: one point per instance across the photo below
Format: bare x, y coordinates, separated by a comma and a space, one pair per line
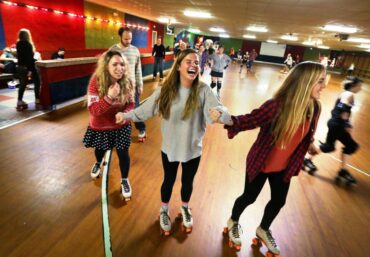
109, 92
287, 124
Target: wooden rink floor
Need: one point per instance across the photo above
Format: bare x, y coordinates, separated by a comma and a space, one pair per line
49, 206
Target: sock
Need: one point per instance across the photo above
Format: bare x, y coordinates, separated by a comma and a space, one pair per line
164, 206
185, 204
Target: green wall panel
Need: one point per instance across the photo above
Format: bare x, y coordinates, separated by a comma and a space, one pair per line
168, 40
101, 34
231, 43
313, 54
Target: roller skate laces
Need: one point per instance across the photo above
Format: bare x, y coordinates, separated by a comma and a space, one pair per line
126, 189
164, 221
234, 230
187, 219
267, 239
95, 171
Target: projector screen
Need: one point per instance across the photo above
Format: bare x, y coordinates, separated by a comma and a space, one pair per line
271, 49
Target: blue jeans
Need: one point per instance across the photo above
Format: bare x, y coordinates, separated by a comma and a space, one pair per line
138, 125
158, 64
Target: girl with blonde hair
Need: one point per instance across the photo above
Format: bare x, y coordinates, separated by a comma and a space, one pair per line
287, 124
109, 92
183, 103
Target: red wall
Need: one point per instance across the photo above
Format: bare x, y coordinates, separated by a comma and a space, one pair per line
249, 45
49, 30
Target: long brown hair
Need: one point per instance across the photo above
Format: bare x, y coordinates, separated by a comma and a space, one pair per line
170, 88
297, 103
104, 79
25, 35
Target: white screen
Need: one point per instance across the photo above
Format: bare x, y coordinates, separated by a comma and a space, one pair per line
271, 49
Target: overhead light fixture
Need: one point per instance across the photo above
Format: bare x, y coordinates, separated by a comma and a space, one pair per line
340, 28
368, 50
257, 28
308, 43
364, 46
358, 40
167, 20
271, 41
193, 30
289, 37
249, 36
224, 35
219, 30
323, 47
197, 14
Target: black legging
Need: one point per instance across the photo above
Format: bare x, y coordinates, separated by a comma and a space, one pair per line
339, 133
23, 80
189, 169
124, 160
279, 191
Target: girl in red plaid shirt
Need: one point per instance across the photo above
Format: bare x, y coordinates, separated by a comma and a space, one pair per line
287, 124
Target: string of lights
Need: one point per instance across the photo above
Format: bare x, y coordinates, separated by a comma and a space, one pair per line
91, 18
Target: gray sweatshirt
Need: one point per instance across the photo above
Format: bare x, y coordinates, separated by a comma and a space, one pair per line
181, 139
219, 62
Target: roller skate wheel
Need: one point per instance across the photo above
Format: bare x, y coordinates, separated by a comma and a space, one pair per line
225, 230
186, 230
127, 199
165, 233
237, 247
270, 254
256, 242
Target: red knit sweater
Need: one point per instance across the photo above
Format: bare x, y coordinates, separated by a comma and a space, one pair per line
103, 111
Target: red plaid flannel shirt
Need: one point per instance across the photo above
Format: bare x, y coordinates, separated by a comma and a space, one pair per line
263, 117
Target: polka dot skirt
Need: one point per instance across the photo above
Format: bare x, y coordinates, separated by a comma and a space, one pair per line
108, 139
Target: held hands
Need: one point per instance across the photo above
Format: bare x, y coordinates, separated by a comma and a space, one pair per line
120, 118
220, 114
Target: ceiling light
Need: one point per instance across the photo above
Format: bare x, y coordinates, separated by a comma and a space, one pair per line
249, 36
368, 50
323, 47
272, 41
197, 14
193, 30
308, 43
358, 40
289, 37
364, 46
167, 20
224, 35
340, 28
219, 30
257, 28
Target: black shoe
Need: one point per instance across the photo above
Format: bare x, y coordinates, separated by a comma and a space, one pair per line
309, 166
344, 174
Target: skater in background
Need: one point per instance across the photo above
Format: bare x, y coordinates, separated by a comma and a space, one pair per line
110, 91
245, 61
159, 54
340, 129
289, 62
252, 57
287, 123
203, 57
26, 68
219, 63
182, 102
132, 55
58, 54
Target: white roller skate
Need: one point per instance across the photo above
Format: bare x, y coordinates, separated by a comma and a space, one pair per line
126, 189
187, 219
142, 136
164, 221
233, 230
95, 171
265, 237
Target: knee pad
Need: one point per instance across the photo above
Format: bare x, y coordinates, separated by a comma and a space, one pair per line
350, 149
327, 148
213, 84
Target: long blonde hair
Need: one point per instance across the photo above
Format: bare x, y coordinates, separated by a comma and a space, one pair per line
170, 88
25, 35
297, 103
104, 79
